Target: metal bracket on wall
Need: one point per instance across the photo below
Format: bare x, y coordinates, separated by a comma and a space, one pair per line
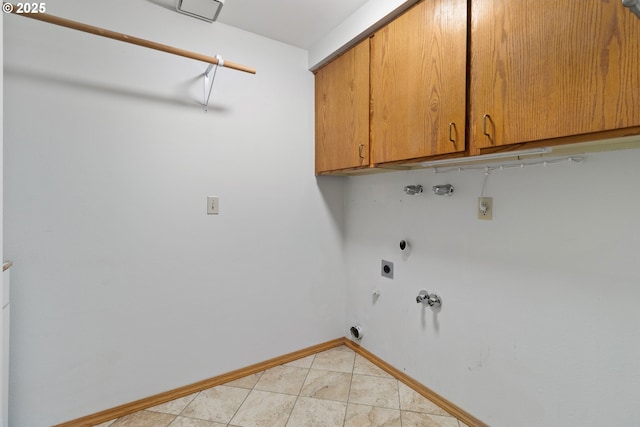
208, 87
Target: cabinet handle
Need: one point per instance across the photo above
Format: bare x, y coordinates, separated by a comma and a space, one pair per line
360, 148
452, 126
486, 118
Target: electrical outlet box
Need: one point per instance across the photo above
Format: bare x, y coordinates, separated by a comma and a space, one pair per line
387, 269
213, 205
485, 208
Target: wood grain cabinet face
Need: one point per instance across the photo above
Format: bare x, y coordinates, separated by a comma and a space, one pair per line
418, 82
543, 69
342, 111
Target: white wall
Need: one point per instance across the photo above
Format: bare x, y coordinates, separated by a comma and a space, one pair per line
539, 324
2, 414
122, 286
1, 135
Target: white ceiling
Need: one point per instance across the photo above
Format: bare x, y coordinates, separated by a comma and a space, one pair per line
296, 22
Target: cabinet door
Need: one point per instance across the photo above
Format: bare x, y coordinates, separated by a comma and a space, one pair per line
418, 82
544, 69
342, 111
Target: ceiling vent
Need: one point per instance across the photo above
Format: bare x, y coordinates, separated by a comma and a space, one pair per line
207, 10
634, 5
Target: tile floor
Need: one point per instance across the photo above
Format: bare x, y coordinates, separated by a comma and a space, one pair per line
336, 387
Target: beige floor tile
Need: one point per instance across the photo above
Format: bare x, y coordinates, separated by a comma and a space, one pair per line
192, 422
371, 416
374, 391
282, 379
175, 406
416, 419
410, 400
246, 382
363, 367
328, 385
263, 408
144, 418
305, 362
337, 359
309, 412
217, 404
336, 387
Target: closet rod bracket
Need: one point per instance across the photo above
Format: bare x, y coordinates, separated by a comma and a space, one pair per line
208, 87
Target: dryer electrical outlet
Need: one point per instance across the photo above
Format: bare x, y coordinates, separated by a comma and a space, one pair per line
387, 269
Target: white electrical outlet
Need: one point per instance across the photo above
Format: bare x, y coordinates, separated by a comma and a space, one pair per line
213, 205
485, 208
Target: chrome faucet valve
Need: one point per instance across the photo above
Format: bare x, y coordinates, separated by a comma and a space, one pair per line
413, 190
432, 300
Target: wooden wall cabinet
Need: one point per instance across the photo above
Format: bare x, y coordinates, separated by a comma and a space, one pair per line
539, 73
342, 112
548, 69
418, 83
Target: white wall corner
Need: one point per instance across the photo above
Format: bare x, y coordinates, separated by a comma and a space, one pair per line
360, 23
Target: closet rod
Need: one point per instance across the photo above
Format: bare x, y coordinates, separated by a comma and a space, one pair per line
130, 39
